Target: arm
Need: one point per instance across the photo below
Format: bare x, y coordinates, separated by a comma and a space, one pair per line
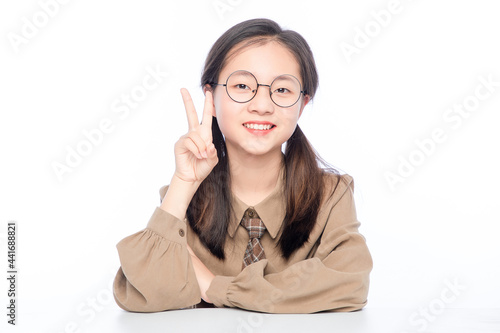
157, 271
203, 275
336, 278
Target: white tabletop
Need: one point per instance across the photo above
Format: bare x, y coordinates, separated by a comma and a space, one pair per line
112, 319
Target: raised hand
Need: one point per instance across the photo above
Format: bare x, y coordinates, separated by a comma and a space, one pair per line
195, 153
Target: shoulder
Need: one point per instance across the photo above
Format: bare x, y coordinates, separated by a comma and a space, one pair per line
337, 182
336, 186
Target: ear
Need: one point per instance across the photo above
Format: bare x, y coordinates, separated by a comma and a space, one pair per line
304, 103
207, 87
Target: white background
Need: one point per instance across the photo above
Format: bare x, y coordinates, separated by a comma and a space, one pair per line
436, 227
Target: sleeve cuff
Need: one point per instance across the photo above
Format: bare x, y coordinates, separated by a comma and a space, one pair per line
217, 292
167, 226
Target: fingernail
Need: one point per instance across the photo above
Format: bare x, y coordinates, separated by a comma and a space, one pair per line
204, 154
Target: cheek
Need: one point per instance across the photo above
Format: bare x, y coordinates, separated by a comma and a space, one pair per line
219, 107
225, 118
291, 117
217, 101
290, 131
289, 123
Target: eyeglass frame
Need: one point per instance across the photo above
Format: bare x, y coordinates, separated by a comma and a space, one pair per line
261, 84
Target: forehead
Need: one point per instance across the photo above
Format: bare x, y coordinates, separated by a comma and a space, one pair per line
265, 61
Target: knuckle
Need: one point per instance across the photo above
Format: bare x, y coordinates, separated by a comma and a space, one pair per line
191, 134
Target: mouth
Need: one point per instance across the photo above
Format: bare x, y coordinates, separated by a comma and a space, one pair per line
259, 126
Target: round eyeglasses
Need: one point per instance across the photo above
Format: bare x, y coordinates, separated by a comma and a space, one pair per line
241, 87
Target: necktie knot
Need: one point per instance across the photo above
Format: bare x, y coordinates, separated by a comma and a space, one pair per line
252, 222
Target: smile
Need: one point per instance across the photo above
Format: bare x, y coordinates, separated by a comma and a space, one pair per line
259, 127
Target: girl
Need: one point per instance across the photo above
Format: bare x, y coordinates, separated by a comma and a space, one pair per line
242, 224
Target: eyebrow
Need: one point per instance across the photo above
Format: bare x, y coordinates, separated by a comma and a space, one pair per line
285, 77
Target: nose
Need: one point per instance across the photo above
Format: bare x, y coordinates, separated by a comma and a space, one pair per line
261, 103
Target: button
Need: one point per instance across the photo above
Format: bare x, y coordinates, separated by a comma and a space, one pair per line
181, 232
251, 213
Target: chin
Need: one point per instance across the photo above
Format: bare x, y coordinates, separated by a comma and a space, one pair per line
261, 151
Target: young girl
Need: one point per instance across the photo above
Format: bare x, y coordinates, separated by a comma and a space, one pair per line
242, 224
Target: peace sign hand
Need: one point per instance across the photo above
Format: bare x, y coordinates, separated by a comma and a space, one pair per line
195, 153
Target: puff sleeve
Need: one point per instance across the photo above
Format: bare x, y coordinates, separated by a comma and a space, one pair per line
156, 273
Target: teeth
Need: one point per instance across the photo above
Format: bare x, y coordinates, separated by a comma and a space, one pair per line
260, 127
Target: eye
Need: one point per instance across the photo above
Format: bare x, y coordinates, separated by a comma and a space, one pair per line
241, 86
282, 90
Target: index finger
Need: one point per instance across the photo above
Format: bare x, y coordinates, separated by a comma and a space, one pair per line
208, 109
192, 116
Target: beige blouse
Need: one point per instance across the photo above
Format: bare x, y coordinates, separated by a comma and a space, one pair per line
329, 272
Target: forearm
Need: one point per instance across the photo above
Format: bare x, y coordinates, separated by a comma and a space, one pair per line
178, 197
305, 287
203, 275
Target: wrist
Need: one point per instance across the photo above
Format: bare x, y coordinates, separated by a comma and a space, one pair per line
184, 183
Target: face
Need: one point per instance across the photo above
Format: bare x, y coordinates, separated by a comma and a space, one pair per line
259, 126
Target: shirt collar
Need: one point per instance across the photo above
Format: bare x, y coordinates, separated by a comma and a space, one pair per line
271, 210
